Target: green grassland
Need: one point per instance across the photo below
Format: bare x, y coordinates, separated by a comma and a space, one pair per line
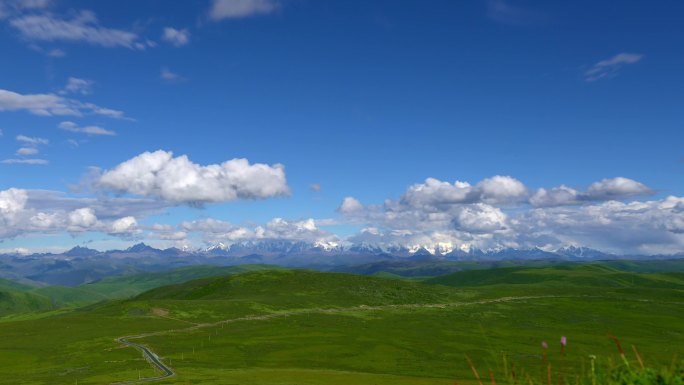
19, 299
266, 326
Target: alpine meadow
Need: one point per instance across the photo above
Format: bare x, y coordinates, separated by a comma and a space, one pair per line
300, 192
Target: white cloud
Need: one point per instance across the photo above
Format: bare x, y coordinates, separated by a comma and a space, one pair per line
51, 105
78, 86
24, 151
9, 7
25, 161
501, 189
169, 76
616, 188
635, 227
32, 4
158, 174
233, 9
124, 226
503, 12
278, 229
32, 141
177, 37
12, 205
609, 68
316, 187
557, 196
501, 212
82, 219
350, 205
56, 53
90, 130
606, 189
84, 27
25, 212
479, 218
12, 201
434, 194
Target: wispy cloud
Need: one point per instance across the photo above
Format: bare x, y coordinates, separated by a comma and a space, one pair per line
33, 141
56, 53
78, 86
25, 161
502, 11
235, 9
51, 105
610, 68
169, 76
84, 27
90, 130
25, 151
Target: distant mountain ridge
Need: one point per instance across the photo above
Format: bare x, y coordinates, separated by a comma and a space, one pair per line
82, 265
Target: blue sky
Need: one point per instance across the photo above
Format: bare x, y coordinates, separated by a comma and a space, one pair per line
354, 99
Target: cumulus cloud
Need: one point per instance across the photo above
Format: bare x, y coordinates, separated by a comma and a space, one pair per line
124, 226
89, 130
610, 67
607, 189
215, 231
435, 194
234, 9
176, 179
501, 189
51, 105
12, 202
350, 205
634, 227
479, 218
24, 212
177, 37
502, 212
82, 219
84, 27
616, 188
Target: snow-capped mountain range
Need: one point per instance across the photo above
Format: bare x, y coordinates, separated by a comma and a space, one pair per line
81, 264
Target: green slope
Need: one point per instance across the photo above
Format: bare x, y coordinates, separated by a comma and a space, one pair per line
17, 302
6, 284
131, 285
574, 275
297, 288
304, 327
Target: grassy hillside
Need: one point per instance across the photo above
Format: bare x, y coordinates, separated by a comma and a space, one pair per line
305, 327
6, 284
130, 285
568, 275
14, 302
433, 268
297, 288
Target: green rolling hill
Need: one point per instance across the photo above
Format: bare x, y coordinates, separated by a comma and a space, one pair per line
277, 326
13, 302
130, 285
568, 275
